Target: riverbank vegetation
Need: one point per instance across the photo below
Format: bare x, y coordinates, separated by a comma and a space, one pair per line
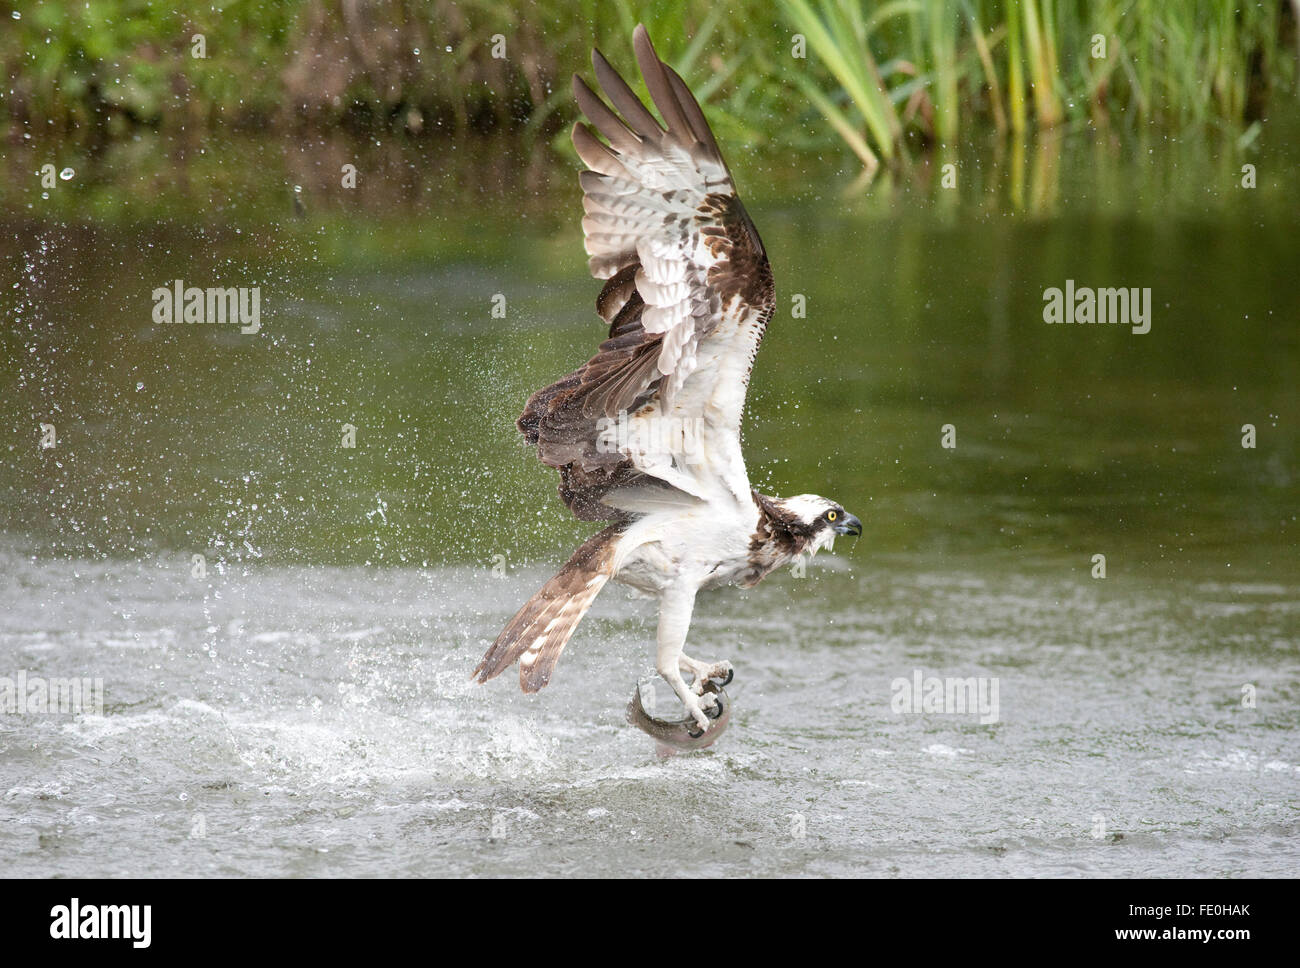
882, 80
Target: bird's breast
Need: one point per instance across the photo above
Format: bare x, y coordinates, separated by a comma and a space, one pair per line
706, 547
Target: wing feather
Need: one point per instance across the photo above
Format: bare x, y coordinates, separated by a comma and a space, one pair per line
639, 119
656, 79
689, 281
538, 632
673, 208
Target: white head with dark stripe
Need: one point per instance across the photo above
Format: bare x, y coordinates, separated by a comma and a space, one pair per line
804, 523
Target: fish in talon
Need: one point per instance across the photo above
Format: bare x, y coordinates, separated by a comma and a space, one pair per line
681, 735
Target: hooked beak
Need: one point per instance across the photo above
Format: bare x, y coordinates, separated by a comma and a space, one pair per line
849, 525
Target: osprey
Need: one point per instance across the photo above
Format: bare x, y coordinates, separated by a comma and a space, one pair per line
646, 434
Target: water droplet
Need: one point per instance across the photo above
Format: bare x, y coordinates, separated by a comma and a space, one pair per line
67, 174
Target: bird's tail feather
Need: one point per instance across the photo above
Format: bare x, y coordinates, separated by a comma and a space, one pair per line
537, 634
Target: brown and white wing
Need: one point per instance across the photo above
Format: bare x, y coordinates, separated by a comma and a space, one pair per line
662, 200
688, 296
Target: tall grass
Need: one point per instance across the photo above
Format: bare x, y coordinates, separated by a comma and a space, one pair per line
884, 79
951, 63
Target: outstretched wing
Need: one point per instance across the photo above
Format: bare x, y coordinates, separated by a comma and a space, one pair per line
688, 296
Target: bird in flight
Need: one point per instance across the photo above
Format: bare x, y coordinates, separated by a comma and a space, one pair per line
646, 434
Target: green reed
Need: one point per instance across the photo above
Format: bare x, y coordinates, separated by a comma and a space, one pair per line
882, 79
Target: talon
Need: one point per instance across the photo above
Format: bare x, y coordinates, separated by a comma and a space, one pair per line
714, 711
693, 734
731, 674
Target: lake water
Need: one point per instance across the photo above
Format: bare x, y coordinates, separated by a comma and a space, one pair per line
297, 701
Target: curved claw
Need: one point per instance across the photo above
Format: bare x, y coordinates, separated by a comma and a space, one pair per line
693, 734
731, 674
714, 711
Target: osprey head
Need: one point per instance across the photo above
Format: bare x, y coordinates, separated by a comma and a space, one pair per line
806, 522
820, 518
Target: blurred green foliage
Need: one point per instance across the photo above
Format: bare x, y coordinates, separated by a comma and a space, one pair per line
886, 76
111, 64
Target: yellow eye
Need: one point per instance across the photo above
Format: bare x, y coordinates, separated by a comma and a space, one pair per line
831, 515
